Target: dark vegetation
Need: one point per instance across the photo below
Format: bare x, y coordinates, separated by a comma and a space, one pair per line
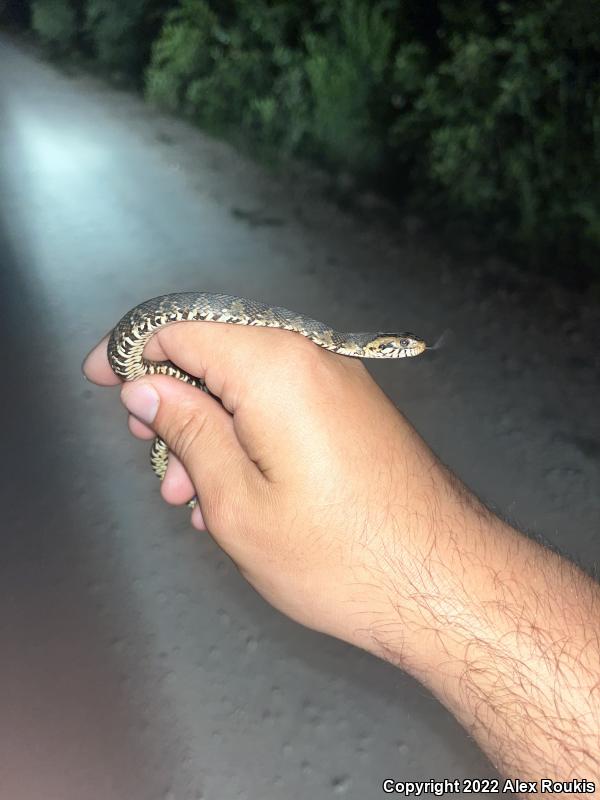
480, 111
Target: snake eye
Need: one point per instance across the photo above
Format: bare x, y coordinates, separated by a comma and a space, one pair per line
404, 342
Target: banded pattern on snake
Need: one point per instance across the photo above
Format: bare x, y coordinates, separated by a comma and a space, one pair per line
130, 336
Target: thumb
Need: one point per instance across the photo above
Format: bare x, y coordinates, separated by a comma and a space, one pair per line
197, 429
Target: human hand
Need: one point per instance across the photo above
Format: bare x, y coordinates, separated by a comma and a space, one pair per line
306, 475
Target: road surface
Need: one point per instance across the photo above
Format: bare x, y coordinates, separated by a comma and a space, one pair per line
136, 663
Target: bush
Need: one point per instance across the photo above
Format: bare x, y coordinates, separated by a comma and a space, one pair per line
274, 94
185, 52
346, 67
222, 99
281, 116
121, 32
237, 78
55, 22
509, 124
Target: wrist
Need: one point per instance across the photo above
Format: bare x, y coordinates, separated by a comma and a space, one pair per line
438, 567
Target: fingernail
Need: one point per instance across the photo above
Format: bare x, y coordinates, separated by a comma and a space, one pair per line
141, 400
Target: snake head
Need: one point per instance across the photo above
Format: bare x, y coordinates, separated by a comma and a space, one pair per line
394, 345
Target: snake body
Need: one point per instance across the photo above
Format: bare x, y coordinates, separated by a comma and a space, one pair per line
130, 336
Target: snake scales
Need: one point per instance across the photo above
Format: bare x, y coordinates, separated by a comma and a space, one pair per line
130, 336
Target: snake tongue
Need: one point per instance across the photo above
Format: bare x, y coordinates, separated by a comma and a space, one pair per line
443, 341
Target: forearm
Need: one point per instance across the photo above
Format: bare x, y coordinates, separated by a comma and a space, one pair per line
503, 631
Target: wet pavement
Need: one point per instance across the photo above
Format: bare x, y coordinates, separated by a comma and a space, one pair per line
136, 663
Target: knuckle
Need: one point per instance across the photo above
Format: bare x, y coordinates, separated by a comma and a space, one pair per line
299, 358
183, 432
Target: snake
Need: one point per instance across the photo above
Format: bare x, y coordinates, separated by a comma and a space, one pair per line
131, 334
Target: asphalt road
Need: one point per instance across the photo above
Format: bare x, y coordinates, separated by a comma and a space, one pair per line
136, 663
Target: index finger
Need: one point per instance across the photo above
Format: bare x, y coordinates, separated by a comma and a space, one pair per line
236, 362
221, 354
96, 368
